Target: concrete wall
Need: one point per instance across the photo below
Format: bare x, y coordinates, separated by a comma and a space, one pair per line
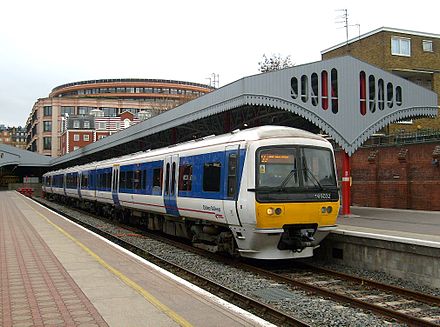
420, 264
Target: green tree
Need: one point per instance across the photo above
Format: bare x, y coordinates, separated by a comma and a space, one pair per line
275, 62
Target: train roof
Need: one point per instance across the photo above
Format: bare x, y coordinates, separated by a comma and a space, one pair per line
251, 134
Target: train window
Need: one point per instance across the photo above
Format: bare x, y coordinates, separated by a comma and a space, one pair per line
137, 179
84, 181
317, 168
129, 182
277, 167
157, 178
122, 180
144, 180
157, 181
103, 180
232, 174
173, 178
211, 177
185, 178
108, 180
167, 179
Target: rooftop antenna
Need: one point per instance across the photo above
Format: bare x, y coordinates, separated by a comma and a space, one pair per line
359, 29
343, 19
214, 80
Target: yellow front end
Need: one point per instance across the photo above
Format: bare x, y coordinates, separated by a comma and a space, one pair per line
276, 215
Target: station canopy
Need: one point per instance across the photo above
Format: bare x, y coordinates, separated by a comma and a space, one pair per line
12, 156
348, 99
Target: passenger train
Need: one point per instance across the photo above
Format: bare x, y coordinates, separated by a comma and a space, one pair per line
268, 192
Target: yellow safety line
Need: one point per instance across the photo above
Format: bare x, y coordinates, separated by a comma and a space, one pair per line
150, 298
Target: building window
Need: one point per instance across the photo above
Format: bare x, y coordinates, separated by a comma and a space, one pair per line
427, 46
47, 110
86, 137
110, 112
85, 110
47, 143
75, 147
76, 137
86, 124
400, 46
47, 126
67, 110
76, 124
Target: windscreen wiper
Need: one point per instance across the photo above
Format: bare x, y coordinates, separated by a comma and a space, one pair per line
287, 179
309, 172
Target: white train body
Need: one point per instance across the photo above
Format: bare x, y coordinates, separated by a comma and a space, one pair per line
267, 193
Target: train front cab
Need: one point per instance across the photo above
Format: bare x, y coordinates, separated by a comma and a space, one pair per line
295, 196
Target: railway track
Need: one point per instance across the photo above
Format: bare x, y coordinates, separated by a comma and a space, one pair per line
402, 305
410, 307
259, 308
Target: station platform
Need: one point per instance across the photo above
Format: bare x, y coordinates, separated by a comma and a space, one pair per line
407, 226
55, 273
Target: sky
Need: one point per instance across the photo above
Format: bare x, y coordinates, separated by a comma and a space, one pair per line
47, 43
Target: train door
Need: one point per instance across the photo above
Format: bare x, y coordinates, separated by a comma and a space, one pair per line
232, 184
115, 185
171, 169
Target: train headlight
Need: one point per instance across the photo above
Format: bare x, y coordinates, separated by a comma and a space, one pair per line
323, 210
329, 209
270, 211
278, 211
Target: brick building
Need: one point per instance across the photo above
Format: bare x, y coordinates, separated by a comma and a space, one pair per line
81, 130
404, 176
13, 136
144, 98
411, 55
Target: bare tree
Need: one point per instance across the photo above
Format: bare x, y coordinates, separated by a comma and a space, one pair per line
276, 62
